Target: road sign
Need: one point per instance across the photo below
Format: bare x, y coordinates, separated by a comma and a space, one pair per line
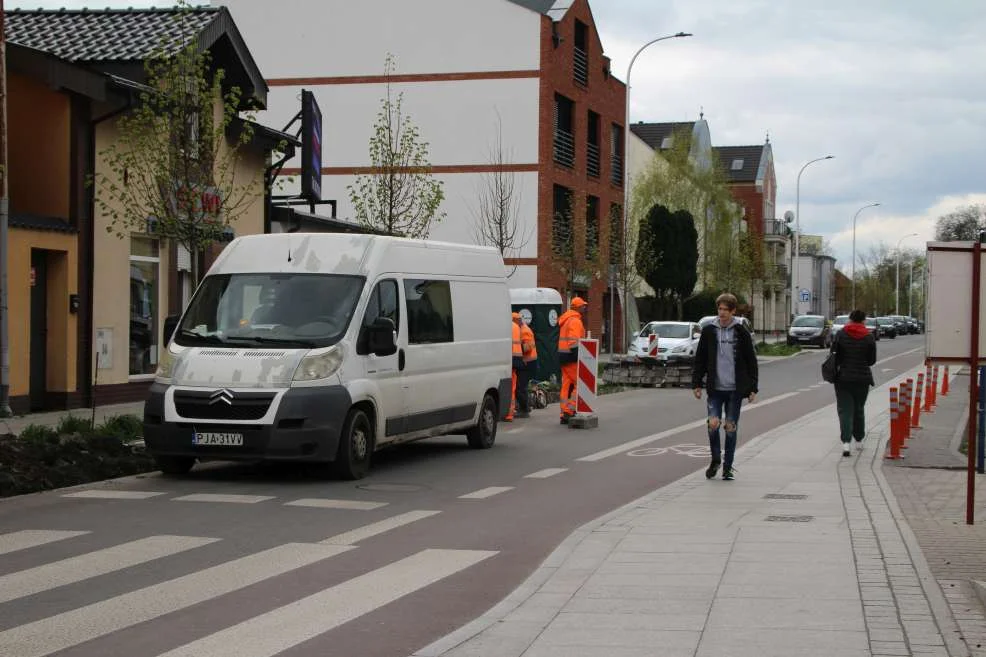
805, 296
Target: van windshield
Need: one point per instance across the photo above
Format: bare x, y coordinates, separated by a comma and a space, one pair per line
260, 310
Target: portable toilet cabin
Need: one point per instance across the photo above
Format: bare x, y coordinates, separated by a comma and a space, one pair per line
540, 308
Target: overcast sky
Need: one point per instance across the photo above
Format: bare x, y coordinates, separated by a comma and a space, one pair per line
894, 89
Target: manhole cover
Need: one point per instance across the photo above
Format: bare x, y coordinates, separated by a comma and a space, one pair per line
391, 488
789, 518
784, 496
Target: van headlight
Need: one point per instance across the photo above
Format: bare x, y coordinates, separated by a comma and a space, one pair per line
319, 366
165, 364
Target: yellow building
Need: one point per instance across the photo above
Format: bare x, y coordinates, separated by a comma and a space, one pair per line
74, 337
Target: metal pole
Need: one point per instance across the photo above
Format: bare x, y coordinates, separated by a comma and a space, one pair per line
4, 220
981, 446
897, 283
796, 256
910, 288
626, 182
871, 205
970, 501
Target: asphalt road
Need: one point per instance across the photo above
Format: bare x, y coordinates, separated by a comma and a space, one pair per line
259, 560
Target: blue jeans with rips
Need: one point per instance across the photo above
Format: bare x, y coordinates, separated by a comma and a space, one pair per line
719, 403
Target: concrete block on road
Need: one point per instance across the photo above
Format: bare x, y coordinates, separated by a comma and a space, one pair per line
583, 422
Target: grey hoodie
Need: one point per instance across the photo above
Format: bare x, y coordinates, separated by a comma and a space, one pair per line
726, 360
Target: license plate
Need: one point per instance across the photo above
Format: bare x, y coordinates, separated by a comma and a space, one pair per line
216, 438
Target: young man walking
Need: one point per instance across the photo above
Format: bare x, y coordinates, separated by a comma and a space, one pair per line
726, 365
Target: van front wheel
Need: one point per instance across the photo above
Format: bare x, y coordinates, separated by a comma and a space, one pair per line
174, 465
483, 435
355, 446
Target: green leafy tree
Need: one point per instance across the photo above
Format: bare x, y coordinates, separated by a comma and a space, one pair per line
964, 224
173, 168
399, 196
667, 254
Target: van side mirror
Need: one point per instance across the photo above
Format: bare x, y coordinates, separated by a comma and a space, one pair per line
382, 337
170, 324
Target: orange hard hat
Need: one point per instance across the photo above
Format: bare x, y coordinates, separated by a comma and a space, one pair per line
578, 302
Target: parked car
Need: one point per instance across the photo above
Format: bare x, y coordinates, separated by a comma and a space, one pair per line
873, 327
838, 323
810, 329
888, 327
675, 340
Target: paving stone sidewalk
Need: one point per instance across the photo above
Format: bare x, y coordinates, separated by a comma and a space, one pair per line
806, 553
930, 484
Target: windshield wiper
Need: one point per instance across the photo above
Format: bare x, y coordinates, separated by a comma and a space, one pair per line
286, 341
185, 333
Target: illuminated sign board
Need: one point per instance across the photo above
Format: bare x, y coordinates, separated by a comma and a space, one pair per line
311, 147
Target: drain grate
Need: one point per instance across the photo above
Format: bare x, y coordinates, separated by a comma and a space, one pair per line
789, 518
784, 496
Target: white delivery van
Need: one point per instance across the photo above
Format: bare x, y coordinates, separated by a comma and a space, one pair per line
326, 347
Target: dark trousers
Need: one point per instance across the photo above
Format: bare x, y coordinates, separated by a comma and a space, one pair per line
850, 400
721, 403
523, 381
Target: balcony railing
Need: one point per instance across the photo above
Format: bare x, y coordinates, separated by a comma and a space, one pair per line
592, 160
772, 227
564, 148
616, 170
581, 67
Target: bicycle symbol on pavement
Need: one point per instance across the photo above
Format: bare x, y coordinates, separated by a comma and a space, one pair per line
685, 449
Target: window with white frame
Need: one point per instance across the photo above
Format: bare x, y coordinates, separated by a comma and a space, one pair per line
145, 266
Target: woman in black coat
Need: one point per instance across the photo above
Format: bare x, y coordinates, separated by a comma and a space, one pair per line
855, 352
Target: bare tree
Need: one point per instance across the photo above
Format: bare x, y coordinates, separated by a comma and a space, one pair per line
399, 196
497, 216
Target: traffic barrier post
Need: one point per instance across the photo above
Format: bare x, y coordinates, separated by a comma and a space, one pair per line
894, 443
905, 412
944, 384
934, 387
916, 417
585, 386
927, 389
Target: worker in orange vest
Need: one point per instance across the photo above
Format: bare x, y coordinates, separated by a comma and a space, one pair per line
530, 355
571, 329
516, 363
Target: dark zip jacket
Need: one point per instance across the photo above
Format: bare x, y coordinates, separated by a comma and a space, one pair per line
744, 356
855, 353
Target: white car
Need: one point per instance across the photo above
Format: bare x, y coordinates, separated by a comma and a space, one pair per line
839, 323
675, 340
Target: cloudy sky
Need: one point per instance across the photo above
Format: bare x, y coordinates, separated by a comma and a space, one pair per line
894, 89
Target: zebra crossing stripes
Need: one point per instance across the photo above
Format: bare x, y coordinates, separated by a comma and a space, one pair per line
484, 493
287, 626
369, 531
97, 494
29, 538
229, 499
544, 474
76, 569
49, 635
353, 505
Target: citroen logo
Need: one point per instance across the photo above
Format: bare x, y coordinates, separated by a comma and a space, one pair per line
224, 395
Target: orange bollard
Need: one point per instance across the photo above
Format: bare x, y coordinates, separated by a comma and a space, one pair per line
927, 389
934, 387
916, 417
905, 412
944, 383
894, 442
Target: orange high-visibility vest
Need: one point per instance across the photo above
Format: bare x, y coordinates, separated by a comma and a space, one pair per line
527, 344
518, 350
570, 331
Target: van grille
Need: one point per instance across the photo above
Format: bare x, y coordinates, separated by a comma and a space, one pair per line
205, 405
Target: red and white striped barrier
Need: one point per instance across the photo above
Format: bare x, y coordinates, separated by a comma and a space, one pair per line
585, 389
652, 346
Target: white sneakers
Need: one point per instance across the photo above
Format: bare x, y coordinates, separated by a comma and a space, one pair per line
845, 449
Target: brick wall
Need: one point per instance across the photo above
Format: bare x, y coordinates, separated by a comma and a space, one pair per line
606, 96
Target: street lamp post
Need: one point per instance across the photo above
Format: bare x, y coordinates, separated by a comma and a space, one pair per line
796, 257
626, 177
897, 283
871, 205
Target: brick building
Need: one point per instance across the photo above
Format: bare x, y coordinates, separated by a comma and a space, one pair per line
529, 74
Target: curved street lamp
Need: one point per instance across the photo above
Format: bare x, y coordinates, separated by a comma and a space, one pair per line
626, 174
897, 285
871, 205
797, 235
